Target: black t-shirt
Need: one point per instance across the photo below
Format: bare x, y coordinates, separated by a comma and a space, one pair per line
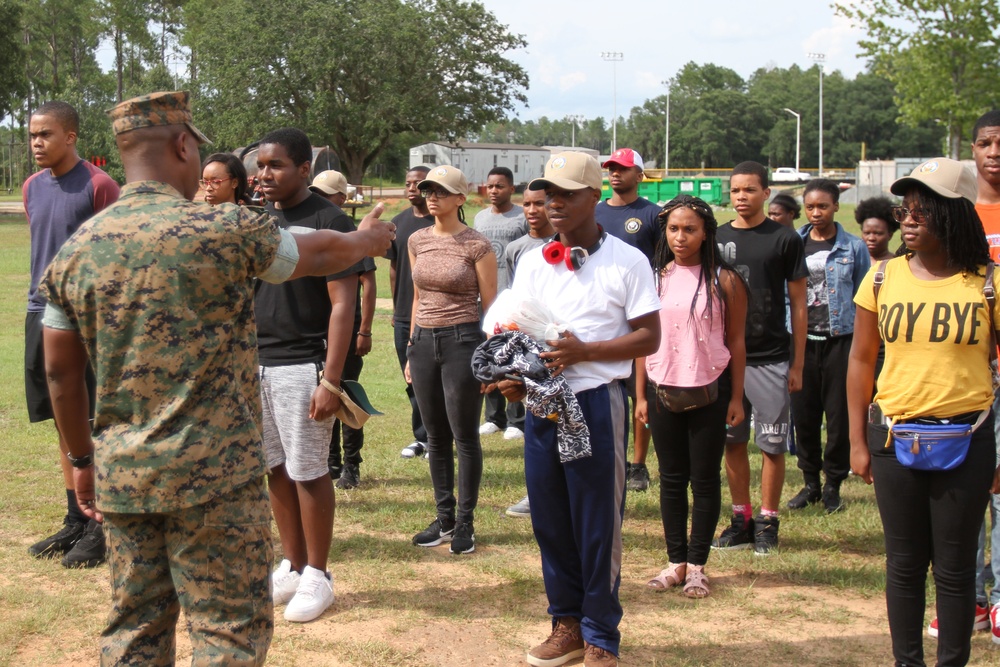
406, 224
293, 317
768, 256
817, 298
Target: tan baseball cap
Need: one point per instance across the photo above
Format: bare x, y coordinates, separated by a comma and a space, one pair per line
329, 182
448, 177
162, 108
948, 178
571, 170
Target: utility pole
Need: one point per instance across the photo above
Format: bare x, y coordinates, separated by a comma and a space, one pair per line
614, 57
820, 59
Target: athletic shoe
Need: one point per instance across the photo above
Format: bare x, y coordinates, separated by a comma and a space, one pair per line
413, 450
831, 498
463, 540
995, 622
738, 535
520, 508
488, 428
436, 533
284, 582
638, 477
89, 551
350, 477
313, 596
564, 644
809, 495
595, 656
513, 433
335, 472
765, 536
60, 543
983, 621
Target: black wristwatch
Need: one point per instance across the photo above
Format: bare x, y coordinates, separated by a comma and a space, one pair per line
81, 462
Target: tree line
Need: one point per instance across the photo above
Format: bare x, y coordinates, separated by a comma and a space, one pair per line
372, 78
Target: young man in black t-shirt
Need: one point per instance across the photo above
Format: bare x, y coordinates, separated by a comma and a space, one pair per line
770, 256
401, 281
304, 328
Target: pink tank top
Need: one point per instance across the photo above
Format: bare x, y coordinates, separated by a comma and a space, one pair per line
692, 350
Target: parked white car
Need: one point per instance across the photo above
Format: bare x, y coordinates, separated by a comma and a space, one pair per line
789, 175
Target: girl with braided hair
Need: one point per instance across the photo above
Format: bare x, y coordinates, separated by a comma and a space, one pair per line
702, 350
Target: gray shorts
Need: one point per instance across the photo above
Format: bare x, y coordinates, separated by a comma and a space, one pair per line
290, 436
765, 397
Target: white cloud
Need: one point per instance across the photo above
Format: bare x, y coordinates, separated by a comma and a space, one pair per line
571, 80
838, 41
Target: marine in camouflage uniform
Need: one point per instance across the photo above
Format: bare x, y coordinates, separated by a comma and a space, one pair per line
157, 290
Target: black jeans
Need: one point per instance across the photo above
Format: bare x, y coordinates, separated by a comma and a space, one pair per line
824, 390
450, 403
689, 447
354, 439
401, 339
932, 517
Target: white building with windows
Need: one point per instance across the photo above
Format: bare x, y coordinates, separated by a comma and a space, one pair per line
476, 160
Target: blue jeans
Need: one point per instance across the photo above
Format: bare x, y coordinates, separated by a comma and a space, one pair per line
450, 402
990, 569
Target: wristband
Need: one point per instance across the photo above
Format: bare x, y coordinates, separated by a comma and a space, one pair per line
366, 335
81, 462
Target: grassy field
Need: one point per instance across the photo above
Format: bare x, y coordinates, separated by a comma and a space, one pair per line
819, 600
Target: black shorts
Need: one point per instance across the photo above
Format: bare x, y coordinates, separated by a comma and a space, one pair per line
36, 387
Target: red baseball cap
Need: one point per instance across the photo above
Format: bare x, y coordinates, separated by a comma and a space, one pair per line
625, 157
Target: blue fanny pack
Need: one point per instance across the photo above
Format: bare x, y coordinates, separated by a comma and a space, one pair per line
933, 446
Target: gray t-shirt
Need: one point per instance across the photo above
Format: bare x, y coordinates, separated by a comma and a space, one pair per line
500, 229
518, 247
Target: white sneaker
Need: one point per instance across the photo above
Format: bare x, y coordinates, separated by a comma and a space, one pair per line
513, 433
284, 581
414, 449
488, 428
313, 597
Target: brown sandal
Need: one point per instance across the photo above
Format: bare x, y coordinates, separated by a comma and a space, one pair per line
668, 577
696, 583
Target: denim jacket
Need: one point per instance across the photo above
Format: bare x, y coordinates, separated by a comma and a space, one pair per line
846, 265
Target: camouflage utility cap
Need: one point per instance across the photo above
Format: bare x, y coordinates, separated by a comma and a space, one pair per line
163, 108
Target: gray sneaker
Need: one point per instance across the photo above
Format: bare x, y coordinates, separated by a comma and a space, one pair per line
520, 509
638, 477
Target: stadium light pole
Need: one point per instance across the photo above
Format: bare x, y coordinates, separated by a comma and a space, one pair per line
666, 134
574, 119
798, 135
614, 57
820, 59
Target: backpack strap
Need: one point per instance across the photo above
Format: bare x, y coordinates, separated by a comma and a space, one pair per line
990, 295
880, 278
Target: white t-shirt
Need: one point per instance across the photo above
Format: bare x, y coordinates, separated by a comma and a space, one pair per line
613, 286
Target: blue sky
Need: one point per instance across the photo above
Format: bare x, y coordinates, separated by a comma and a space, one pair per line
656, 38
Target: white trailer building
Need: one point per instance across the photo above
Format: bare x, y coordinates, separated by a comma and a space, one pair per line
476, 160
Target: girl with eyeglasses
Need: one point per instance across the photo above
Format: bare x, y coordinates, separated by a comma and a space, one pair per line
454, 271
224, 179
702, 321
931, 311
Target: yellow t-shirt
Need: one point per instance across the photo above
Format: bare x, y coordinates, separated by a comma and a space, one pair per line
937, 341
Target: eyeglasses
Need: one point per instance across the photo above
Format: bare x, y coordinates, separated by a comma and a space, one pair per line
436, 193
211, 183
918, 215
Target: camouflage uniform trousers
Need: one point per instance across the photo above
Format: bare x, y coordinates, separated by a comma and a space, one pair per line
212, 560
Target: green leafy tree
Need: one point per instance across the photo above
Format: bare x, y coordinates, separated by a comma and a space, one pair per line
13, 84
351, 73
940, 55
